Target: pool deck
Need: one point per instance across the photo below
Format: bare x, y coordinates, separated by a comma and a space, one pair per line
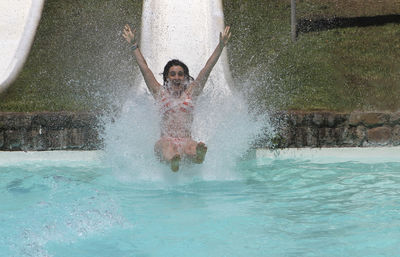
16, 157
337, 154
320, 155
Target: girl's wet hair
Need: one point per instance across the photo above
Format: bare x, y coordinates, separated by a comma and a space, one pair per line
176, 62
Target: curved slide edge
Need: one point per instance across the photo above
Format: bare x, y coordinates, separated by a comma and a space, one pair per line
22, 37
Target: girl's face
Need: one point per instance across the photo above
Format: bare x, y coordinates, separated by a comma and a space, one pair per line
176, 77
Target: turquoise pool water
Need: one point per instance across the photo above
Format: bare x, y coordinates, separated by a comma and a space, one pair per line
267, 207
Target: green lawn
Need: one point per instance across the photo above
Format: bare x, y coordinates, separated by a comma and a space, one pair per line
341, 69
79, 60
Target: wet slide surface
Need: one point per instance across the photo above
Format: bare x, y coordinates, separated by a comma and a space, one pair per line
185, 30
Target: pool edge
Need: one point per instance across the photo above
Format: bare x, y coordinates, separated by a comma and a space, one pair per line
336, 154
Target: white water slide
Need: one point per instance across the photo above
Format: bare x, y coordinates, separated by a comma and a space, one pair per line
188, 31
18, 23
171, 29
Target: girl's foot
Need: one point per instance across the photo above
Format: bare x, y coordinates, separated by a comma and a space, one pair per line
201, 150
175, 163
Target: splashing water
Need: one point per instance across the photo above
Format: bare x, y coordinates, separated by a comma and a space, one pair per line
188, 31
228, 128
223, 123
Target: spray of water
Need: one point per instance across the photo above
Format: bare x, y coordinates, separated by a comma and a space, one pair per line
186, 30
223, 122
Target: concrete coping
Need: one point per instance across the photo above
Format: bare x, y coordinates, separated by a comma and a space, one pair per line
65, 157
331, 155
262, 155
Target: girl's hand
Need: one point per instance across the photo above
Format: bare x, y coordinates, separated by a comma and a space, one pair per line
129, 35
225, 36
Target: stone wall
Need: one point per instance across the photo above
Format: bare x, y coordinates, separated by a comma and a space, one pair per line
48, 131
80, 131
330, 129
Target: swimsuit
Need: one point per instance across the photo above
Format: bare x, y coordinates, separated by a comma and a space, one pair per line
179, 142
171, 106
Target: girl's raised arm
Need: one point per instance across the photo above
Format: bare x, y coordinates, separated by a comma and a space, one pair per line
197, 86
148, 75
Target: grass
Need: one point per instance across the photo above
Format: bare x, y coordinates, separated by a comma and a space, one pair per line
83, 65
78, 59
343, 69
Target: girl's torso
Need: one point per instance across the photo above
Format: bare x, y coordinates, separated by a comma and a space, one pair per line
176, 114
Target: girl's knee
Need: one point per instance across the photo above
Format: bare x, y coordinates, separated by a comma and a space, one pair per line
190, 148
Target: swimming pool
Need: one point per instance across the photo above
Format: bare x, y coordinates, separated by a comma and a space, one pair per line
278, 204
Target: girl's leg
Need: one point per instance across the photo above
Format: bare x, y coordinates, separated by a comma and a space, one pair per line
167, 151
195, 151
